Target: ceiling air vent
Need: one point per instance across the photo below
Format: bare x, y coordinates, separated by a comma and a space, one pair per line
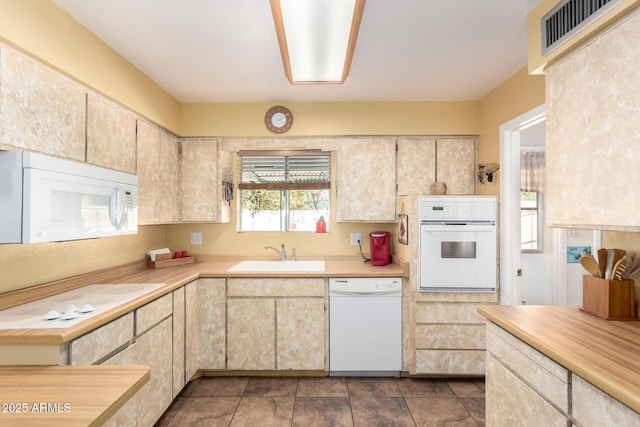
569, 17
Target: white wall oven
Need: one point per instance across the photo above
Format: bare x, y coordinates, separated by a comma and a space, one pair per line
458, 244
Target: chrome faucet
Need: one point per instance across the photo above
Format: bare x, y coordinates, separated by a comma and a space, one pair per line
283, 253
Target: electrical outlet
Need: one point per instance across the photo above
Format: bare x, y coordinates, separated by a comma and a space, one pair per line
196, 238
355, 237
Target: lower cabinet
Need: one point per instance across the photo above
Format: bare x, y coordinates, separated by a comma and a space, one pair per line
151, 349
191, 329
449, 339
179, 341
300, 333
206, 334
276, 324
523, 386
251, 329
156, 334
509, 400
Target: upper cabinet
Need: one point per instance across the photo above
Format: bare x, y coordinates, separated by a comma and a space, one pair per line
111, 134
203, 169
425, 160
170, 173
158, 175
416, 165
41, 110
456, 164
592, 113
366, 181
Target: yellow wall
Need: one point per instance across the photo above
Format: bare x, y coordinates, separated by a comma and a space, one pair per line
27, 265
519, 94
334, 118
44, 31
40, 29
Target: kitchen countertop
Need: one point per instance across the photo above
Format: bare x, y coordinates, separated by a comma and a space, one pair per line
61, 395
172, 278
605, 353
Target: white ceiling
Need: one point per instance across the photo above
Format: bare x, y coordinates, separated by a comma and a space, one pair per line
227, 51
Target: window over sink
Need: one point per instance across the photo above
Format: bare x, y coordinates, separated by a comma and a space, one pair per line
284, 190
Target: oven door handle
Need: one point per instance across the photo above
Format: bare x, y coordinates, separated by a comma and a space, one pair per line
459, 227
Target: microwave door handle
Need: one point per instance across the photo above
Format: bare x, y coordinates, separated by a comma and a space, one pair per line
118, 208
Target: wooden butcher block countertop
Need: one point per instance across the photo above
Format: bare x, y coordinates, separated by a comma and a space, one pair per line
605, 353
66, 395
172, 278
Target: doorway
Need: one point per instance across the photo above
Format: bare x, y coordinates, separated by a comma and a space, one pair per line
562, 284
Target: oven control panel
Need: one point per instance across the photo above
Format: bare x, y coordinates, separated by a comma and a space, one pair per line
454, 208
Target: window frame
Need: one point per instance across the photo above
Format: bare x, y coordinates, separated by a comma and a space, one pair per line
286, 184
539, 223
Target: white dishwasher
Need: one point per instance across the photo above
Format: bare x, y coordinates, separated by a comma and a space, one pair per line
365, 326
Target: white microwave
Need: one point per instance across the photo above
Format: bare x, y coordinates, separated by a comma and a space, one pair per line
49, 199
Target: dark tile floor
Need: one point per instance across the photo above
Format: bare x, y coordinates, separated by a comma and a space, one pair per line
329, 401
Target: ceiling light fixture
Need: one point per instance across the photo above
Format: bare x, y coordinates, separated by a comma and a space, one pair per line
317, 38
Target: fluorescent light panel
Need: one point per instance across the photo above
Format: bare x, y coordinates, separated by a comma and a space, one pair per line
317, 38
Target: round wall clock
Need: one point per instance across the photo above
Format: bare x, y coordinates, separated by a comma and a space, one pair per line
278, 119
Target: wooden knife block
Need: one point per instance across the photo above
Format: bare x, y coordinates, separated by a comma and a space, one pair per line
609, 299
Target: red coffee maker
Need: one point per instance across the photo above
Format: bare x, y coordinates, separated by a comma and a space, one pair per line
380, 244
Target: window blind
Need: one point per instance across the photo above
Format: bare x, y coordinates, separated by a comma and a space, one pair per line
272, 171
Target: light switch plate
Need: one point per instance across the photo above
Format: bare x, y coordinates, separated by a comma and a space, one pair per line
355, 237
196, 238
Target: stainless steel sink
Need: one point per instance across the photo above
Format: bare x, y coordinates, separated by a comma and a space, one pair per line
277, 266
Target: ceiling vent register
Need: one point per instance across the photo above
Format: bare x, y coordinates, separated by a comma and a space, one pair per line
568, 18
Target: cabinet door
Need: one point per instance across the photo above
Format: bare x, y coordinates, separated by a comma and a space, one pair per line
416, 165
179, 342
200, 186
158, 175
169, 177
210, 302
366, 180
152, 349
301, 333
149, 178
41, 110
456, 164
192, 329
592, 113
111, 134
251, 334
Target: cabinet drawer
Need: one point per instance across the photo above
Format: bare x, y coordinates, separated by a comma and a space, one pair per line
269, 287
448, 312
152, 313
99, 343
542, 374
454, 336
511, 402
450, 362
